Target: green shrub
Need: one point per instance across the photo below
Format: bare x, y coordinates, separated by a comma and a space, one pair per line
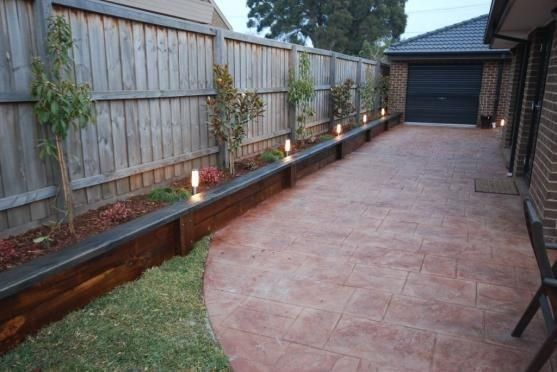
272, 155
326, 137
169, 195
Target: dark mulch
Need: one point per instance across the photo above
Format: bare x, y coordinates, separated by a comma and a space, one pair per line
19, 249
16, 250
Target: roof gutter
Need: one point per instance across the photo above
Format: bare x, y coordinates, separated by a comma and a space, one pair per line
509, 38
498, 9
450, 55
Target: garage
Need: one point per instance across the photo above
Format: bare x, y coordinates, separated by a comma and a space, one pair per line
443, 93
449, 76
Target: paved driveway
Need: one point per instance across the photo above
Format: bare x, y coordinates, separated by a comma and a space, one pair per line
384, 261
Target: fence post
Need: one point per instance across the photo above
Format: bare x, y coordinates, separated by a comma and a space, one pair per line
333, 80
219, 46
42, 10
359, 90
293, 66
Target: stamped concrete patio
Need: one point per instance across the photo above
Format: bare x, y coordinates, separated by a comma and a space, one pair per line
384, 261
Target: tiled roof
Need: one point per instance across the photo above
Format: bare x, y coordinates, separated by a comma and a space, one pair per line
463, 37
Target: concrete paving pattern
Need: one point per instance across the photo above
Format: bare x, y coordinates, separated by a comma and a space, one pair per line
384, 261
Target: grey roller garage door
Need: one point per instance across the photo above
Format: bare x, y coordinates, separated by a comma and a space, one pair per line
443, 93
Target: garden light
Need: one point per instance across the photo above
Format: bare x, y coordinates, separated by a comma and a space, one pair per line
502, 122
195, 180
339, 129
365, 118
287, 146
383, 112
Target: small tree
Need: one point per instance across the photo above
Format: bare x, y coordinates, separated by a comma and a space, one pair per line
301, 91
61, 103
342, 99
230, 112
368, 92
383, 90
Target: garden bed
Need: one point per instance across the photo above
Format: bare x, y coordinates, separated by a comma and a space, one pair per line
25, 247
45, 289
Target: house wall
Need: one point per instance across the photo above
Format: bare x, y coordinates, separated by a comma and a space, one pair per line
543, 186
488, 93
515, 67
397, 87
200, 11
532, 76
399, 83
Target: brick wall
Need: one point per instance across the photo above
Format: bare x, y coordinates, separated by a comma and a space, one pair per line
397, 89
488, 93
543, 186
398, 85
515, 66
530, 86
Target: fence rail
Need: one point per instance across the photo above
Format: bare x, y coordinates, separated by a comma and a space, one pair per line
150, 76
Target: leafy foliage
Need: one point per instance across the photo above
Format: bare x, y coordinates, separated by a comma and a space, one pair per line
210, 175
250, 165
326, 137
369, 92
61, 103
272, 155
230, 112
301, 90
117, 213
169, 195
375, 51
156, 323
45, 240
342, 99
383, 90
340, 25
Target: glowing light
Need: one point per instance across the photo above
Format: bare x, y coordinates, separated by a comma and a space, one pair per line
287, 147
365, 118
383, 111
339, 129
502, 122
195, 180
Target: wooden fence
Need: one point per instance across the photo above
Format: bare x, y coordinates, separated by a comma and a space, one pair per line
150, 76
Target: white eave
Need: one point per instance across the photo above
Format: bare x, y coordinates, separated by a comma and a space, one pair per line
519, 19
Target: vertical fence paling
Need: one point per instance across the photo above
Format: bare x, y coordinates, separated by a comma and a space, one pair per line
150, 77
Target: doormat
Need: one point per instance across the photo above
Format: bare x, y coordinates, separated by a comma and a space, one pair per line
496, 186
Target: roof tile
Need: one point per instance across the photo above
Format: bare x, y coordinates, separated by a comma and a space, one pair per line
466, 36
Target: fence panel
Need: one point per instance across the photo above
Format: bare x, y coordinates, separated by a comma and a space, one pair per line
150, 76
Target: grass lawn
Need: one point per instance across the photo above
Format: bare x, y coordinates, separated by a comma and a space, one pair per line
158, 322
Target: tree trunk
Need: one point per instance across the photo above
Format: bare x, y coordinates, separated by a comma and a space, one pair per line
231, 159
66, 185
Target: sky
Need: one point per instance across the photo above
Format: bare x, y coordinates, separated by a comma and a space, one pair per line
423, 15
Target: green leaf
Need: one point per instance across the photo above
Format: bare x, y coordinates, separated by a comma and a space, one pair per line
42, 239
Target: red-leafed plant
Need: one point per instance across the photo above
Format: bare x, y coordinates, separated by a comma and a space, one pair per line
117, 213
210, 175
7, 250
